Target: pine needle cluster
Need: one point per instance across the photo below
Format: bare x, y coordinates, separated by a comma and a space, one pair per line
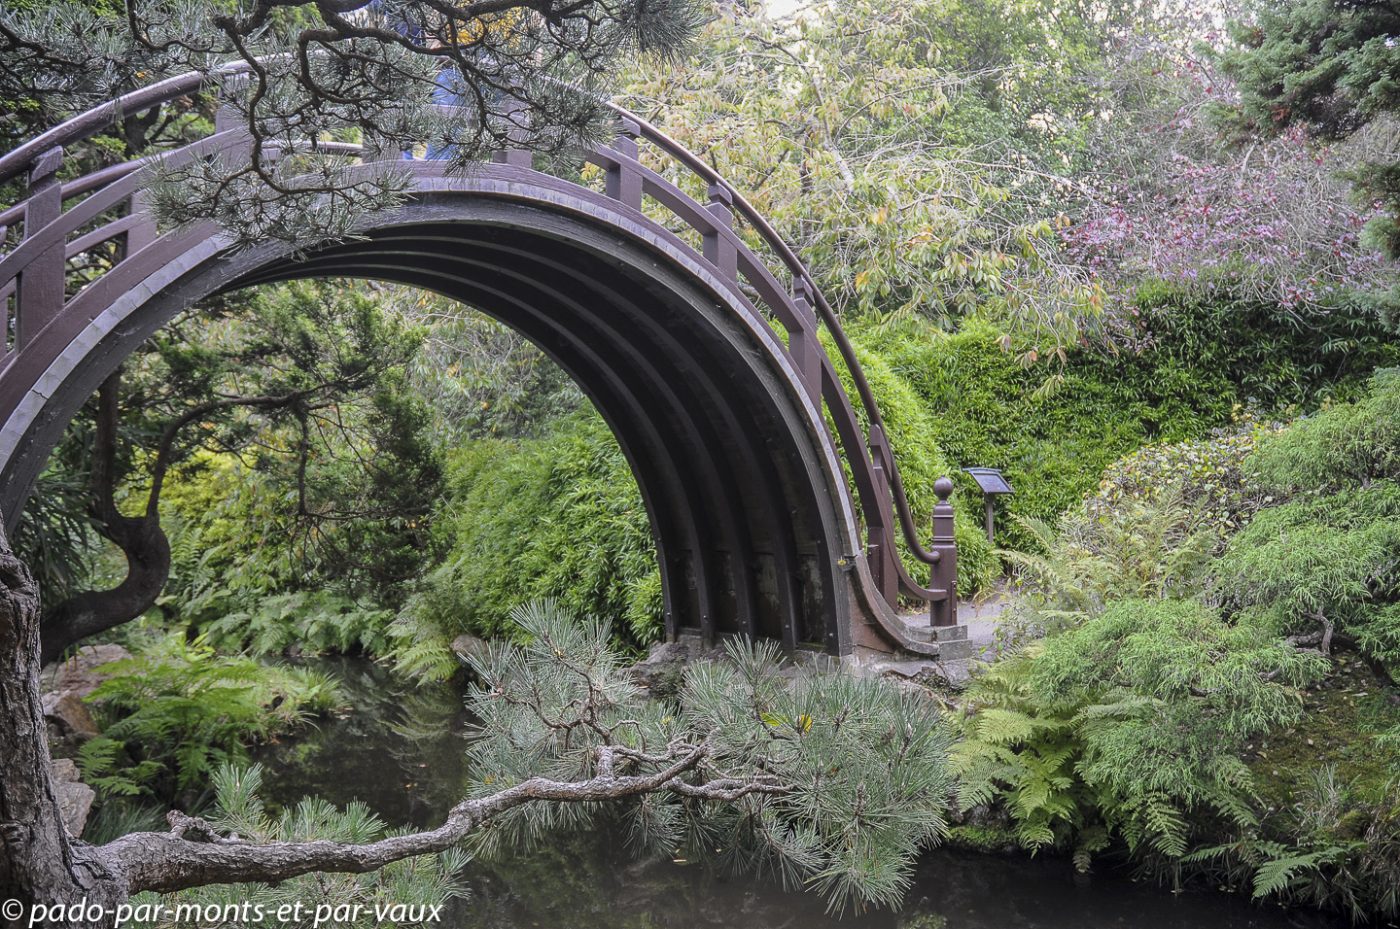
817, 777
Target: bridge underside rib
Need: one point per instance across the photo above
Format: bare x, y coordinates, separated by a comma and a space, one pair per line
737, 532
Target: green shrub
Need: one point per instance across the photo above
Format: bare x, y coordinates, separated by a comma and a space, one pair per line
1186, 369
1324, 562
1146, 547
296, 622
237, 580
1150, 531
1170, 722
1208, 474
559, 516
1341, 446
1270, 358
1128, 725
1052, 435
1341, 851
909, 425
1328, 559
176, 710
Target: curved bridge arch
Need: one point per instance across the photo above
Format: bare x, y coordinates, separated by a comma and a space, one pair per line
766, 522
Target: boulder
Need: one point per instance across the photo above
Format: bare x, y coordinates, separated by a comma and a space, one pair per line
78, 674
71, 716
467, 646
73, 796
661, 670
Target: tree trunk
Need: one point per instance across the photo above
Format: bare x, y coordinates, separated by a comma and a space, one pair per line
39, 863
141, 539
84, 614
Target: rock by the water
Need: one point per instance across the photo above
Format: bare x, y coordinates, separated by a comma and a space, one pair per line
661, 670
467, 646
65, 685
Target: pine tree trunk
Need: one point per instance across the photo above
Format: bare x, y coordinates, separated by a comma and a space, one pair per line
140, 538
147, 551
39, 863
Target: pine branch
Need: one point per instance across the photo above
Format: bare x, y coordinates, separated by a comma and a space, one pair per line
192, 854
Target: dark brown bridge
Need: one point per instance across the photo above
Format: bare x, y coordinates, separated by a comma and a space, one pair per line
773, 493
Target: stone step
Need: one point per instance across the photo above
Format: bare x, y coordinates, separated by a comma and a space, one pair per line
953, 642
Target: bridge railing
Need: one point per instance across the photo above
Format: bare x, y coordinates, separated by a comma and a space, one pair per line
37, 276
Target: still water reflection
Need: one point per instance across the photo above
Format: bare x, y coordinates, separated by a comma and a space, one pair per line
400, 751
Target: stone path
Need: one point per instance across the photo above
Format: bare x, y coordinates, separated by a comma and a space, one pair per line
982, 619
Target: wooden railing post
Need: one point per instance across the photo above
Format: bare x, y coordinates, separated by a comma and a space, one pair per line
881, 524
803, 345
623, 184
144, 232
880, 545
718, 250
228, 116
944, 572
519, 116
39, 294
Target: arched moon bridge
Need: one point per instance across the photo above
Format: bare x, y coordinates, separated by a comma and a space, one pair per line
773, 494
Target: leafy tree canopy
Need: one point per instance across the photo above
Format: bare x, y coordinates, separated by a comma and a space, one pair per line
902, 147
1334, 67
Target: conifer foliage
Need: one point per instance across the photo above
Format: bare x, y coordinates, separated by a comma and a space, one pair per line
828, 780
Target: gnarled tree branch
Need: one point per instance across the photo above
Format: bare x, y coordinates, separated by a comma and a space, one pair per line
192, 854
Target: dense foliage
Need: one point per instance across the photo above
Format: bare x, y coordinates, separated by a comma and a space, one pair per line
1199, 367
555, 516
1327, 557
177, 711
1207, 476
280, 432
1207, 710
1118, 728
243, 581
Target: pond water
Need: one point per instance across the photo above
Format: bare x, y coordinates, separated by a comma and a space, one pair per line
399, 750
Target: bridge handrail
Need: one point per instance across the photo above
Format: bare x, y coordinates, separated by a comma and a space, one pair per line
87, 124
94, 120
